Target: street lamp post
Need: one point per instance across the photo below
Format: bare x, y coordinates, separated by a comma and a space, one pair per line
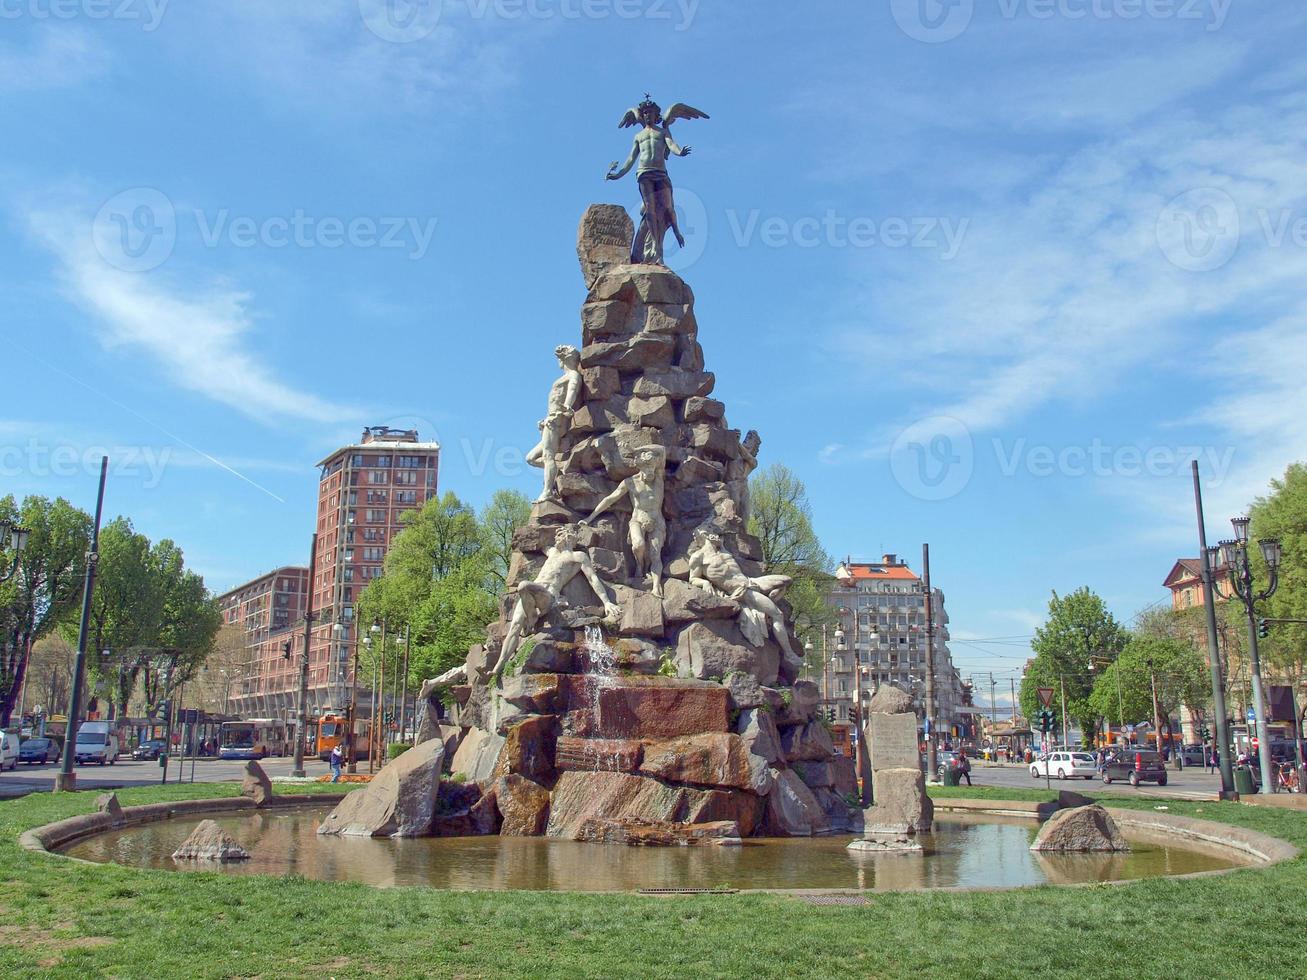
1235, 553
11, 535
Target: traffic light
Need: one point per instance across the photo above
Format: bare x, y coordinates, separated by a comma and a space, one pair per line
1263, 627
285, 650
1046, 721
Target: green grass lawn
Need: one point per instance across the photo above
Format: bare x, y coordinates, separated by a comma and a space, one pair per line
62, 918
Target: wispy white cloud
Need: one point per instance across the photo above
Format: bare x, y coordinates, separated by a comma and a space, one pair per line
55, 57
194, 333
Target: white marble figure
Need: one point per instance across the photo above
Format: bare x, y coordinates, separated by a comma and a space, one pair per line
647, 529
747, 463
563, 395
563, 562
715, 570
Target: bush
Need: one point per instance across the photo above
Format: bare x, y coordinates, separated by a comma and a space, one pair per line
395, 749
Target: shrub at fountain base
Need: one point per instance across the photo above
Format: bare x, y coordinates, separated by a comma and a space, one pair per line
399, 802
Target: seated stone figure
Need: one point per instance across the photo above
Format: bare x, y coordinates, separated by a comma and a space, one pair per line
563, 562
714, 569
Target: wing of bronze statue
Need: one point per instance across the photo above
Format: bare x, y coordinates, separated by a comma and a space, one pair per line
632, 118
682, 111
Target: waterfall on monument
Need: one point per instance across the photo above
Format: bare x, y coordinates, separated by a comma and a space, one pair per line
637, 553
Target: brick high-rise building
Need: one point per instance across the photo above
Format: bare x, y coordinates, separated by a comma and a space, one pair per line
364, 492
270, 609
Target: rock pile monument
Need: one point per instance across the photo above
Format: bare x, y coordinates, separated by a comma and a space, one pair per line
641, 682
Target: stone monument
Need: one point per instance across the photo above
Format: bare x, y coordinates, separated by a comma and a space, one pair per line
641, 682
897, 783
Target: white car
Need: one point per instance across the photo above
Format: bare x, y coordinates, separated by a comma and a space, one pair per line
1065, 765
8, 751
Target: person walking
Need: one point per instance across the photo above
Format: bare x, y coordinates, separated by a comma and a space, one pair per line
337, 757
964, 766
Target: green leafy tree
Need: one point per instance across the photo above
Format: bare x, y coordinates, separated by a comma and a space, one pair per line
507, 511
44, 589
1123, 692
438, 580
1079, 629
780, 517
1283, 514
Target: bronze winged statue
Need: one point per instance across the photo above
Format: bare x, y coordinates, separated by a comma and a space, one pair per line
651, 147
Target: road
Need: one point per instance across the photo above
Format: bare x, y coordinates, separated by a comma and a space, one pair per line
1192, 783
39, 779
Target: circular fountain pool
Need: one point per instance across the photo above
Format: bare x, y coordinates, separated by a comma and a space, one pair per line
963, 851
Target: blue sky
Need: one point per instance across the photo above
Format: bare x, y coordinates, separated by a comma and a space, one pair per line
985, 274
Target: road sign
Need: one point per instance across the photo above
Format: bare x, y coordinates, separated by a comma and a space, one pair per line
1252, 716
1046, 696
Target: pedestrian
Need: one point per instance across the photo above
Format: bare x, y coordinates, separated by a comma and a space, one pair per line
964, 766
337, 756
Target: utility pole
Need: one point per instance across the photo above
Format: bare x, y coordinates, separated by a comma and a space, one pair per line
1012, 685
1066, 737
302, 727
1213, 646
66, 780
930, 662
993, 704
403, 697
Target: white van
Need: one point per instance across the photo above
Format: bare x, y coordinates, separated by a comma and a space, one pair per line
96, 742
8, 751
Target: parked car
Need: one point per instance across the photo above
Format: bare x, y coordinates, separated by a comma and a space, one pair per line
1194, 755
1065, 765
1135, 765
96, 742
39, 750
8, 751
943, 760
150, 749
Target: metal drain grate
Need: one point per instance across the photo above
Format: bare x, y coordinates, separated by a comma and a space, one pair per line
688, 891
835, 900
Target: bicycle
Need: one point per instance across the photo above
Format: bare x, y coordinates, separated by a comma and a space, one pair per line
1286, 776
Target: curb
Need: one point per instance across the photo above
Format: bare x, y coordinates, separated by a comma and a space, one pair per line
46, 839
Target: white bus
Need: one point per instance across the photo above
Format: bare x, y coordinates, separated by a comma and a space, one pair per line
257, 738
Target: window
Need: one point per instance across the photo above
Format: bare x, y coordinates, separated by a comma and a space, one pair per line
378, 477
376, 517
406, 496
356, 459
373, 554
410, 462
378, 496
383, 461
406, 479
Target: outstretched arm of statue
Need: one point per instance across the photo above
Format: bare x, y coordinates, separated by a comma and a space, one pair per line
611, 609
630, 162
676, 148
607, 502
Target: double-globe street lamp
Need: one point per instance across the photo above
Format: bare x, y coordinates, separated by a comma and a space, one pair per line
1234, 552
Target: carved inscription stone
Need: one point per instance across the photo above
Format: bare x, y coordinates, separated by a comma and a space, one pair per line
603, 240
893, 741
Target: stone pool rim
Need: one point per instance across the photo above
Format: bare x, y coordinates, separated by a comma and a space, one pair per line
1263, 849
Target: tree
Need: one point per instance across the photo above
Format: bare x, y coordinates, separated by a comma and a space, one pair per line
50, 674
1123, 693
1079, 629
46, 587
507, 511
780, 518
125, 612
438, 580
1283, 514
